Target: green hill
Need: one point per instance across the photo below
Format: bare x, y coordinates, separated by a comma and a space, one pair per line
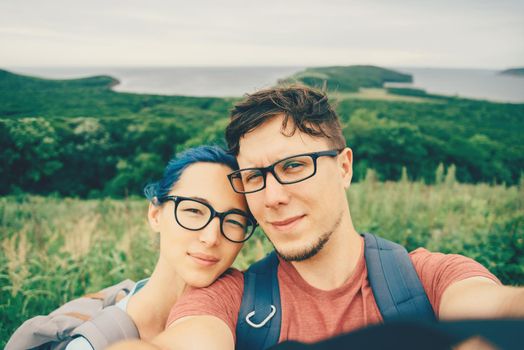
78, 137
347, 79
514, 71
23, 96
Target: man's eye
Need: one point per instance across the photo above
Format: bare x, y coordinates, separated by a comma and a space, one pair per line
293, 165
253, 177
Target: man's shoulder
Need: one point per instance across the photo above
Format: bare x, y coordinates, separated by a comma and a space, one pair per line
437, 271
427, 262
231, 279
420, 254
232, 274
221, 299
436, 264
423, 258
230, 284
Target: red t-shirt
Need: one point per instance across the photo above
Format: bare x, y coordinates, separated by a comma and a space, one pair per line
310, 314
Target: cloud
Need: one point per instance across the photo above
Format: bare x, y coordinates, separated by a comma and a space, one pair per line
233, 32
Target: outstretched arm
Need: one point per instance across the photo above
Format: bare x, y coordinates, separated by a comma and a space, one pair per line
194, 332
480, 297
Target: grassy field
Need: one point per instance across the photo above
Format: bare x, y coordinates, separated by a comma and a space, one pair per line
54, 249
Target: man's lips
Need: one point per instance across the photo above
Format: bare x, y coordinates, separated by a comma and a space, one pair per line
287, 223
203, 259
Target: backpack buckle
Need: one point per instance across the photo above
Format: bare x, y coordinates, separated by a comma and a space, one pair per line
266, 320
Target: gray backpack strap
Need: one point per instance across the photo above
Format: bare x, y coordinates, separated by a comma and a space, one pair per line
54, 330
110, 325
260, 315
396, 287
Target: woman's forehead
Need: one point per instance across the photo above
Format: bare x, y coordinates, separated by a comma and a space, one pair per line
209, 181
203, 174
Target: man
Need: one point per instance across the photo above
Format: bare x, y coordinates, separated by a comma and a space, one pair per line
295, 170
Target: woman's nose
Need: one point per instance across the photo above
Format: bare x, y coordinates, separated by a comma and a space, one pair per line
210, 235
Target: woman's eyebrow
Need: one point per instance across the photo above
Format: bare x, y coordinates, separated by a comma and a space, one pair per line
236, 210
201, 199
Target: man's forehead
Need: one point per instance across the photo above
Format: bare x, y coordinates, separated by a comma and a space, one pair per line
261, 156
260, 152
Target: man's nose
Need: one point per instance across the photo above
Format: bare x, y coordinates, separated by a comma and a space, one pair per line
275, 193
210, 235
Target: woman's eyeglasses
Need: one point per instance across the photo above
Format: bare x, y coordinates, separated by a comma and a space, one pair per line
193, 214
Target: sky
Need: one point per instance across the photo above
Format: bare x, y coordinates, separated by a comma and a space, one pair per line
124, 33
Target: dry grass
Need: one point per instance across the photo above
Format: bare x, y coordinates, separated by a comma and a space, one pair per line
54, 249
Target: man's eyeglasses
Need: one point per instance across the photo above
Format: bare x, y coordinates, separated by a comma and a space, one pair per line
193, 214
286, 171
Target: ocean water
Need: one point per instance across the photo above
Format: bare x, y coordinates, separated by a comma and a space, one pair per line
472, 83
188, 81
236, 81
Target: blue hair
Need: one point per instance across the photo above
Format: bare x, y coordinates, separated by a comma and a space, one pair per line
177, 165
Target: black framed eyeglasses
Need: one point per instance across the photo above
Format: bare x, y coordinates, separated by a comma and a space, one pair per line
286, 171
193, 214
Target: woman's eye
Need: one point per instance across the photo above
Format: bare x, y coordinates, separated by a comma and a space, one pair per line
235, 223
195, 211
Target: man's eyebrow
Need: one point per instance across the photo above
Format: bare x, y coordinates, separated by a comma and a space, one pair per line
284, 156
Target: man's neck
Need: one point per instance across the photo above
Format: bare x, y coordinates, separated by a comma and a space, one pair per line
336, 262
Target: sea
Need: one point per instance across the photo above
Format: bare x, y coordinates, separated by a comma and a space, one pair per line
486, 84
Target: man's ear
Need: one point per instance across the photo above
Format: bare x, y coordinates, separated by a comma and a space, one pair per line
153, 216
345, 163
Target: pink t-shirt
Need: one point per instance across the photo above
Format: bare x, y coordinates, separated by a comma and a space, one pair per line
310, 314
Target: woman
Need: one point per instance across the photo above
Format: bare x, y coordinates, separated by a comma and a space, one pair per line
199, 240
202, 223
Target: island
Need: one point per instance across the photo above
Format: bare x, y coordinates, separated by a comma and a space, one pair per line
516, 72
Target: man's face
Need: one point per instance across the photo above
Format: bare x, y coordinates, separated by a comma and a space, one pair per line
299, 218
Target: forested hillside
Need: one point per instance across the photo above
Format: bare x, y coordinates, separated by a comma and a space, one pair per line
80, 138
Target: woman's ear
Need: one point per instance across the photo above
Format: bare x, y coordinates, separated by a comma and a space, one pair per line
345, 162
153, 215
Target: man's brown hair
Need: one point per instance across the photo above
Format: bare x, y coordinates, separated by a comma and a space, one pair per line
308, 109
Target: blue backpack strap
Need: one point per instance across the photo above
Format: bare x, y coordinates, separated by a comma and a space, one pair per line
260, 315
397, 289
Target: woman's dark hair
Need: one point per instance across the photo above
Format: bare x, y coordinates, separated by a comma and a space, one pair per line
177, 165
308, 108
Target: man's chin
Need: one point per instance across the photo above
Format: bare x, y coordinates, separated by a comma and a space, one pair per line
303, 252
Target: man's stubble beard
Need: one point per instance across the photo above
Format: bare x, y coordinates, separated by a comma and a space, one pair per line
311, 250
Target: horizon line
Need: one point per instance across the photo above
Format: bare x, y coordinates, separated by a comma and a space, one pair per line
112, 66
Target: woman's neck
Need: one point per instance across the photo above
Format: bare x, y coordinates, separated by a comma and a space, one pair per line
150, 307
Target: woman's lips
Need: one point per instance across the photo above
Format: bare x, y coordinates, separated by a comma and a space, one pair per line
287, 224
203, 259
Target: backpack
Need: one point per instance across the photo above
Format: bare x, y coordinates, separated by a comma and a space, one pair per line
415, 335
395, 284
93, 316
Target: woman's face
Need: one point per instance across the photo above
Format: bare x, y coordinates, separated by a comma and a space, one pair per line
198, 257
